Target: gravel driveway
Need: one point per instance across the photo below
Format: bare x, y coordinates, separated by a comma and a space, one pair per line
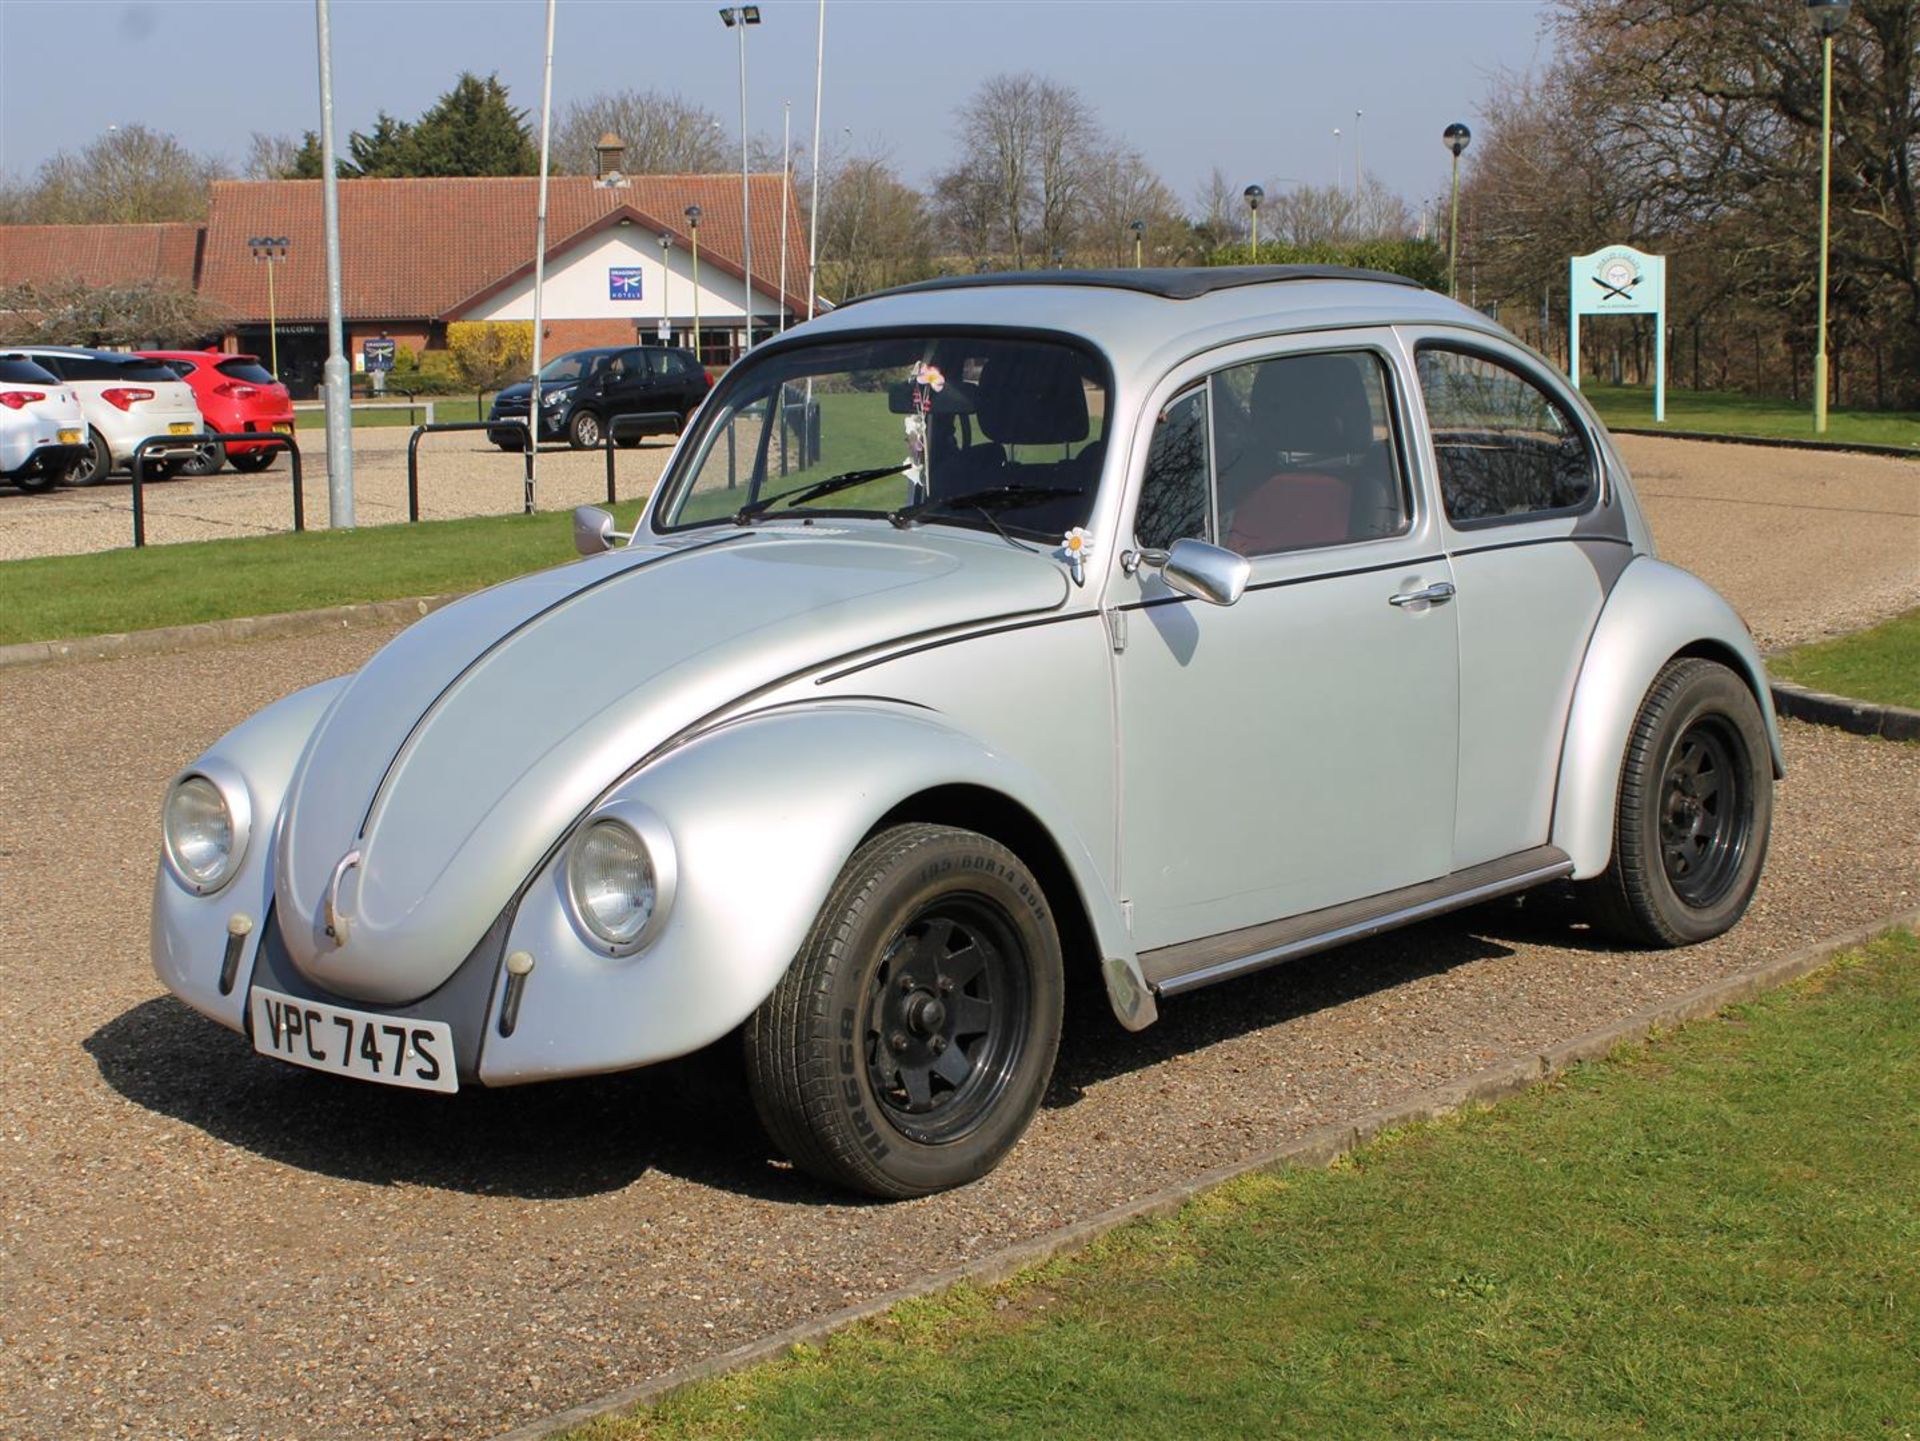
197, 1242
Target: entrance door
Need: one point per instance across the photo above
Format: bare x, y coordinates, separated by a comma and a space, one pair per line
1297, 749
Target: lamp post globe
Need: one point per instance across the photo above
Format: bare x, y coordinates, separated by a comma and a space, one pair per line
1253, 195
1828, 15
1139, 229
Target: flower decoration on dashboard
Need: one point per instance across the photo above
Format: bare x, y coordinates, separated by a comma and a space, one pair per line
926, 373
1075, 546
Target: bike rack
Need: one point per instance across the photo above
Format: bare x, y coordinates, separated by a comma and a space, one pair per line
174, 442
413, 456
629, 422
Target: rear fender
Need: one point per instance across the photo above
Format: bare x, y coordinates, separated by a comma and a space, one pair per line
1654, 613
763, 813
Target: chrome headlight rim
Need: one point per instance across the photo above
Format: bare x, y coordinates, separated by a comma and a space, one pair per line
656, 842
231, 787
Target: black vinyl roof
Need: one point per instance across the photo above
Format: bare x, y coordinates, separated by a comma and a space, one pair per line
1181, 283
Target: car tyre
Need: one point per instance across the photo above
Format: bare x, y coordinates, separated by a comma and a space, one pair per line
205, 461
35, 482
583, 431
909, 1044
95, 464
1694, 813
252, 461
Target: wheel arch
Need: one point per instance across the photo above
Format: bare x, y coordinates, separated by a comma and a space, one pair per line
1655, 615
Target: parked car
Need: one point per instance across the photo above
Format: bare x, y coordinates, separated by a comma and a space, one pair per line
1162, 625
42, 434
580, 392
235, 393
126, 399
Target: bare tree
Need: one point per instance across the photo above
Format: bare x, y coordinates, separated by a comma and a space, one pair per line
664, 134
130, 175
1065, 141
1120, 189
875, 229
999, 128
71, 312
271, 157
1220, 215
968, 214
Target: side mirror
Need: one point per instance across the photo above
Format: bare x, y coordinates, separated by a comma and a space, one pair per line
593, 530
1206, 572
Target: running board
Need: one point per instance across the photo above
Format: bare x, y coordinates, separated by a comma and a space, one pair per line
1192, 964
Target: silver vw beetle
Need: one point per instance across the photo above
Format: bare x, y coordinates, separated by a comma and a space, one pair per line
1171, 624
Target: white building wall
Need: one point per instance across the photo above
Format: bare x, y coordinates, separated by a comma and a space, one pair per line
577, 285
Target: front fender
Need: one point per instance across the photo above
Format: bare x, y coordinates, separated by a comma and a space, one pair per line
763, 813
189, 932
1654, 612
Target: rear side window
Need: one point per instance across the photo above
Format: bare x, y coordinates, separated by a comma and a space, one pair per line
250, 371
21, 371
1507, 450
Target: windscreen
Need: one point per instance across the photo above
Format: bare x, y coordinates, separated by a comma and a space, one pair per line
984, 430
250, 371
564, 368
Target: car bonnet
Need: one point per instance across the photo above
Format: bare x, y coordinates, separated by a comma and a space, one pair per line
463, 751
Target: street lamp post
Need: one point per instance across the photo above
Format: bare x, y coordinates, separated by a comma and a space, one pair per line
272, 249
739, 17
1456, 137
693, 230
1254, 195
666, 291
1358, 186
1829, 16
1139, 229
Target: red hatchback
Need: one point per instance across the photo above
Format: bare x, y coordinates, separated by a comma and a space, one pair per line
234, 393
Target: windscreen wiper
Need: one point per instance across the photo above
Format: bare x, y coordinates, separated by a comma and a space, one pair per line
746, 513
994, 497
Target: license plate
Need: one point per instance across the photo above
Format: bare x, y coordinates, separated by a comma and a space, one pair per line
182, 427
69, 437
281, 427
392, 1050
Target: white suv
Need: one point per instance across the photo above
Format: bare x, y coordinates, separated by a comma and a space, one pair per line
42, 433
125, 400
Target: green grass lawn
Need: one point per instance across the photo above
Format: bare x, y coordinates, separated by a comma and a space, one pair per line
1715, 1235
1732, 413
1880, 665
57, 597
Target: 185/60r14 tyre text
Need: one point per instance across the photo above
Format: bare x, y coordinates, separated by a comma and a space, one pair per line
910, 1042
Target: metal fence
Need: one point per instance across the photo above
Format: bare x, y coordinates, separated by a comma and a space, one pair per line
172, 445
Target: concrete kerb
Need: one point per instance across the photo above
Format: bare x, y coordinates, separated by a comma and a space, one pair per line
1861, 718
1315, 1150
1772, 442
221, 632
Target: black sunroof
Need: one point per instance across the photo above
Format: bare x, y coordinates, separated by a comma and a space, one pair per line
1183, 283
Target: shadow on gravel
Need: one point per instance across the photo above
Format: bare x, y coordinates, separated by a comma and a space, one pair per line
692, 1118
689, 1118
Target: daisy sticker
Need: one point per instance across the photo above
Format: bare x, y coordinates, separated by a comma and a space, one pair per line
1075, 546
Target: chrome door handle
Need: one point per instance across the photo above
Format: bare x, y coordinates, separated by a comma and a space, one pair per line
1440, 592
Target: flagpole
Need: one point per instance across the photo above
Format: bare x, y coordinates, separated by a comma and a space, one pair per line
813, 218
539, 263
786, 171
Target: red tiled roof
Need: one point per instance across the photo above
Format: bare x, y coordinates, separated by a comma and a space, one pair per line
423, 249
102, 254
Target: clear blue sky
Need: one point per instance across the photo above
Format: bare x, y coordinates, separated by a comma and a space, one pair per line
1257, 88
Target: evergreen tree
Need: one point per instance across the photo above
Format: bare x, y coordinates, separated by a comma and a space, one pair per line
307, 162
473, 130
387, 150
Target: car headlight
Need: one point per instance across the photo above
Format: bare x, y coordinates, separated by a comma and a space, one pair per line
204, 826
555, 397
620, 877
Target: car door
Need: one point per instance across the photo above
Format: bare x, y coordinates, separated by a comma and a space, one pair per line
1536, 542
1295, 750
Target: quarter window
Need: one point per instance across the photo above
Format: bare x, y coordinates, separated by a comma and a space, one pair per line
1306, 454
1506, 449
1173, 496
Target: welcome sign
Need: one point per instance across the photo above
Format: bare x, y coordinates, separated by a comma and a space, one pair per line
1620, 280
623, 282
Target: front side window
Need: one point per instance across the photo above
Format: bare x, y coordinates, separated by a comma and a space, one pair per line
1175, 494
971, 429
1506, 449
1306, 453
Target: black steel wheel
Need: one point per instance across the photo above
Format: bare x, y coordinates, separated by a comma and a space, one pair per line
583, 431
909, 1044
1694, 813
